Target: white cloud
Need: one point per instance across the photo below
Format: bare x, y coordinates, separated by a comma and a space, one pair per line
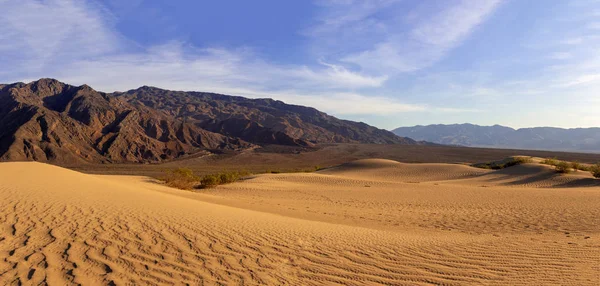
393, 49
176, 66
452, 25
83, 48
360, 49
343, 13
37, 33
36, 37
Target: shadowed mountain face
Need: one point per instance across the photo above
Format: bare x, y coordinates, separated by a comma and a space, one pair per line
538, 138
47, 120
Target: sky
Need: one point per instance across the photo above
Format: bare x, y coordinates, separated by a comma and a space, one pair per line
389, 63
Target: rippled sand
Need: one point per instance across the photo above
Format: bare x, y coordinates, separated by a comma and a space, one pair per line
364, 223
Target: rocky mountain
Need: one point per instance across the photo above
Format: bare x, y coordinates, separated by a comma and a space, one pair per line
538, 138
251, 119
48, 120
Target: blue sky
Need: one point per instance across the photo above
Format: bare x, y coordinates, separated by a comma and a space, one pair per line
389, 63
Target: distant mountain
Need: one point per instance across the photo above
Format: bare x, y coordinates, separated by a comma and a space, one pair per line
538, 138
48, 120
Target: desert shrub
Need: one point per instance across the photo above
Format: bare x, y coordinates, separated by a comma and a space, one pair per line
595, 170
487, 166
518, 161
576, 166
584, 168
181, 178
213, 180
508, 162
563, 167
226, 178
210, 181
550, 161
579, 167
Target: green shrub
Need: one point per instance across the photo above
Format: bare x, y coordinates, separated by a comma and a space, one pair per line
550, 161
595, 170
563, 167
181, 178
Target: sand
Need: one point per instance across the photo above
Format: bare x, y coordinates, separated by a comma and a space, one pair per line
369, 222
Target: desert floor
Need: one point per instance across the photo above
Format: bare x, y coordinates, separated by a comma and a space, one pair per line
364, 223
290, 159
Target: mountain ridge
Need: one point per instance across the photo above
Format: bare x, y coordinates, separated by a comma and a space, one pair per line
48, 120
498, 136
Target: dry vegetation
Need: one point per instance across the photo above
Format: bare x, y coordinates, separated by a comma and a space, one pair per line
563, 167
180, 178
266, 158
566, 167
595, 170
185, 179
213, 180
550, 161
508, 162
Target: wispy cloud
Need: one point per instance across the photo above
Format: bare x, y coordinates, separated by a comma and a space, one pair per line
430, 35
362, 57
36, 38
582, 80
35, 34
180, 66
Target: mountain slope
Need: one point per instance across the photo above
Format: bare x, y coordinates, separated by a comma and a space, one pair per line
540, 138
209, 110
47, 120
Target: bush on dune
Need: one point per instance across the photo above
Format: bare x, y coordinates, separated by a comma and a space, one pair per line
508, 162
576, 166
595, 170
213, 180
550, 161
181, 178
210, 181
579, 167
563, 167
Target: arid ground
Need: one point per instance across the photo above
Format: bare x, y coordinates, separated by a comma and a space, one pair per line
368, 222
290, 159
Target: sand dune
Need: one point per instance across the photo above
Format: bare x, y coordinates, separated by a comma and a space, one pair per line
365, 223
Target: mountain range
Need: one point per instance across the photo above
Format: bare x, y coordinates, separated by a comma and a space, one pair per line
50, 121
497, 136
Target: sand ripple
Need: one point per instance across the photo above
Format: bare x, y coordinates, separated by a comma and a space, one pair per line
59, 227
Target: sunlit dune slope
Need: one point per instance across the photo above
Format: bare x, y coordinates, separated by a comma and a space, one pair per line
374, 222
